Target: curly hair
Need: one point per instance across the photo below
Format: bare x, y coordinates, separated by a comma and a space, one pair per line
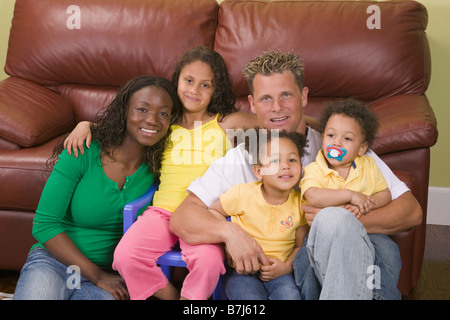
110, 125
272, 62
223, 99
265, 136
352, 108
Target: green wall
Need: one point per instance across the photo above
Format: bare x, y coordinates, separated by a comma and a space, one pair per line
438, 36
6, 13
437, 31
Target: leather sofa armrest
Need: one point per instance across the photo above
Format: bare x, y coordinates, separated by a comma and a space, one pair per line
406, 122
31, 114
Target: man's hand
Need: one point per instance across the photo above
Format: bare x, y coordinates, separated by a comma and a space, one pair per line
244, 251
310, 213
398, 215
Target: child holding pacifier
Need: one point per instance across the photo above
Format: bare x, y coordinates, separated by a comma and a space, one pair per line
342, 175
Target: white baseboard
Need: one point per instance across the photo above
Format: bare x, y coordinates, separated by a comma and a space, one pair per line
438, 211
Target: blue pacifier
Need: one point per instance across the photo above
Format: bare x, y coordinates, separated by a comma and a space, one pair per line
336, 152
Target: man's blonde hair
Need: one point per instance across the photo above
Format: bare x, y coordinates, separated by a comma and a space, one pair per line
272, 62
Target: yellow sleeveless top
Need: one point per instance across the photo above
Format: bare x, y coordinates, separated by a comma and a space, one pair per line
188, 156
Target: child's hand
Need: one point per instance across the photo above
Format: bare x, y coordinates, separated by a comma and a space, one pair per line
354, 210
363, 202
274, 269
76, 138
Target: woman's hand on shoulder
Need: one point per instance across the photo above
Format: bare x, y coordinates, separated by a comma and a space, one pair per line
76, 138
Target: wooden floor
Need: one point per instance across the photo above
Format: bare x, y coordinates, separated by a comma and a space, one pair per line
434, 283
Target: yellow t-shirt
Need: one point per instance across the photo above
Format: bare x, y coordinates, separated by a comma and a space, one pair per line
188, 157
364, 176
273, 226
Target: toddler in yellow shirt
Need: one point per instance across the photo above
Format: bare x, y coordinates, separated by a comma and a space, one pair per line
269, 210
342, 174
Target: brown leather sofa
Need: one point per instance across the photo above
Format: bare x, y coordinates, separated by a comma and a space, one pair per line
66, 59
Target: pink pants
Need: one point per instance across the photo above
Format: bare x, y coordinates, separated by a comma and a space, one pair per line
148, 239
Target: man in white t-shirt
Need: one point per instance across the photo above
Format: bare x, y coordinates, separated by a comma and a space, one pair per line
351, 257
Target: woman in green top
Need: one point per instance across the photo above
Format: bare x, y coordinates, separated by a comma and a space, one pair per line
78, 221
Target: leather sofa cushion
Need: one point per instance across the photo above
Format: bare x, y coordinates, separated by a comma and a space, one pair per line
87, 101
24, 173
117, 40
31, 114
343, 57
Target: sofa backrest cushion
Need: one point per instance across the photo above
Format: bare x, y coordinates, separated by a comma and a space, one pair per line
344, 55
104, 42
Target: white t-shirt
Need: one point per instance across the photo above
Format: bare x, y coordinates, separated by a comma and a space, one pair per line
237, 167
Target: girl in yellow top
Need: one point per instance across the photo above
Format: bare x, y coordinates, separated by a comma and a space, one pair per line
197, 139
342, 174
269, 210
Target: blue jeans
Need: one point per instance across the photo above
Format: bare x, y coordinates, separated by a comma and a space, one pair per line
340, 261
250, 287
45, 278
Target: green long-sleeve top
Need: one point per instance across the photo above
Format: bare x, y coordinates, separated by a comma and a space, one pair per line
80, 200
